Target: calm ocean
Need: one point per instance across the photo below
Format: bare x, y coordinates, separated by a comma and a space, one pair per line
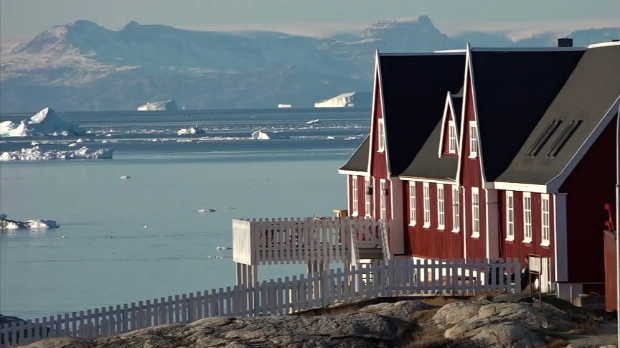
130, 240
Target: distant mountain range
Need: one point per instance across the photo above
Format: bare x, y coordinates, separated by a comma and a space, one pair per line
83, 66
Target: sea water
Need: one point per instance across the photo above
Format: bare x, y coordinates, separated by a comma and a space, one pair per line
125, 240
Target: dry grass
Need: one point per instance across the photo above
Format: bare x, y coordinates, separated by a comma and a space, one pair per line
557, 344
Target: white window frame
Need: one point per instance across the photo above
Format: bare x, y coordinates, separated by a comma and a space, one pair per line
545, 216
510, 216
383, 201
367, 197
473, 139
381, 135
441, 213
527, 217
354, 195
456, 209
412, 203
427, 205
451, 137
475, 212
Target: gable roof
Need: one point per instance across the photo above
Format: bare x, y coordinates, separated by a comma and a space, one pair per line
413, 89
587, 96
512, 91
359, 160
428, 163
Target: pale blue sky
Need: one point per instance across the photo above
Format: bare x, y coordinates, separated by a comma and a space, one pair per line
22, 19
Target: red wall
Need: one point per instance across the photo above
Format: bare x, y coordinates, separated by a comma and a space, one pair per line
589, 187
446, 136
471, 176
431, 242
516, 248
378, 168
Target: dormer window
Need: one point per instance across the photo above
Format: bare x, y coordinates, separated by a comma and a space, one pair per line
381, 136
451, 137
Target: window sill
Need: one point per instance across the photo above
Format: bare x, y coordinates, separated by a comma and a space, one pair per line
527, 241
381, 151
475, 235
456, 230
510, 239
473, 156
426, 225
412, 224
441, 228
545, 244
355, 215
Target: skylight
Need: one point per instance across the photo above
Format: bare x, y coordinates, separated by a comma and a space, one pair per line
543, 138
563, 138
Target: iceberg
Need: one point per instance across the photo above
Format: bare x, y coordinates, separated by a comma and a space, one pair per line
284, 106
44, 123
36, 154
259, 134
8, 224
191, 130
346, 100
165, 105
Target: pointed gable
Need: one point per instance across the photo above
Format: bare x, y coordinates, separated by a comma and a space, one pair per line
512, 89
359, 160
414, 90
583, 102
448, 140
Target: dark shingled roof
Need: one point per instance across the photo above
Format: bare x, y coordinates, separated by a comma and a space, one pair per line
587, 96
427, 163
513, 91
414, 96
359, 161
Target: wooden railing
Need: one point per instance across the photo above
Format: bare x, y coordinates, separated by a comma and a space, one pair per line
301, 240
276, 297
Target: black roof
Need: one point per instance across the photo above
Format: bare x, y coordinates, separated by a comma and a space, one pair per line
427, 163
587, 96
513, 89
414, 96
414, 93
359, 161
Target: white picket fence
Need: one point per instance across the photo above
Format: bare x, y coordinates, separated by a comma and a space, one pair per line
301, 240
276, 297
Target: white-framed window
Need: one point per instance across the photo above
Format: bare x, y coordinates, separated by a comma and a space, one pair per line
451, 137
441, 216
354, 194
427, 205
475, 212
473, 139
510, 216
527, 217
456, 216
367, 197
381, 138
383, 206
546, 223
412, 203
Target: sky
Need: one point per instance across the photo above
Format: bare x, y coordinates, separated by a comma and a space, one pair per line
20, 20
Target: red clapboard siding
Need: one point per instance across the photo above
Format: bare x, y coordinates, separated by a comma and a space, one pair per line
378, 169
471, 176
589, 187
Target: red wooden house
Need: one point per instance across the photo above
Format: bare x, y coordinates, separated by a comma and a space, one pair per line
496, 173
409, 96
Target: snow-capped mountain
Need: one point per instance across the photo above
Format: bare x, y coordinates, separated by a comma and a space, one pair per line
83, 66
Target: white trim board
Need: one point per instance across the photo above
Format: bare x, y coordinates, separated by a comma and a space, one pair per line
427, 180
508, 186
554, 184
604, 44
352, 172
449, 106
386, 150
373, 115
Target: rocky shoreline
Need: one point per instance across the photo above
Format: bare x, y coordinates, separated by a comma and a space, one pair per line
501, 321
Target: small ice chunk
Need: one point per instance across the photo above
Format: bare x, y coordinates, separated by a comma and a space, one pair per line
313, 121
209, 210
191, 130
125, 177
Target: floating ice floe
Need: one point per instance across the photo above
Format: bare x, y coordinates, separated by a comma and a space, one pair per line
8, 224
223, 248
191, 130
44, 123
125, 177
206, 210
259, 134
313, 121
37, 154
